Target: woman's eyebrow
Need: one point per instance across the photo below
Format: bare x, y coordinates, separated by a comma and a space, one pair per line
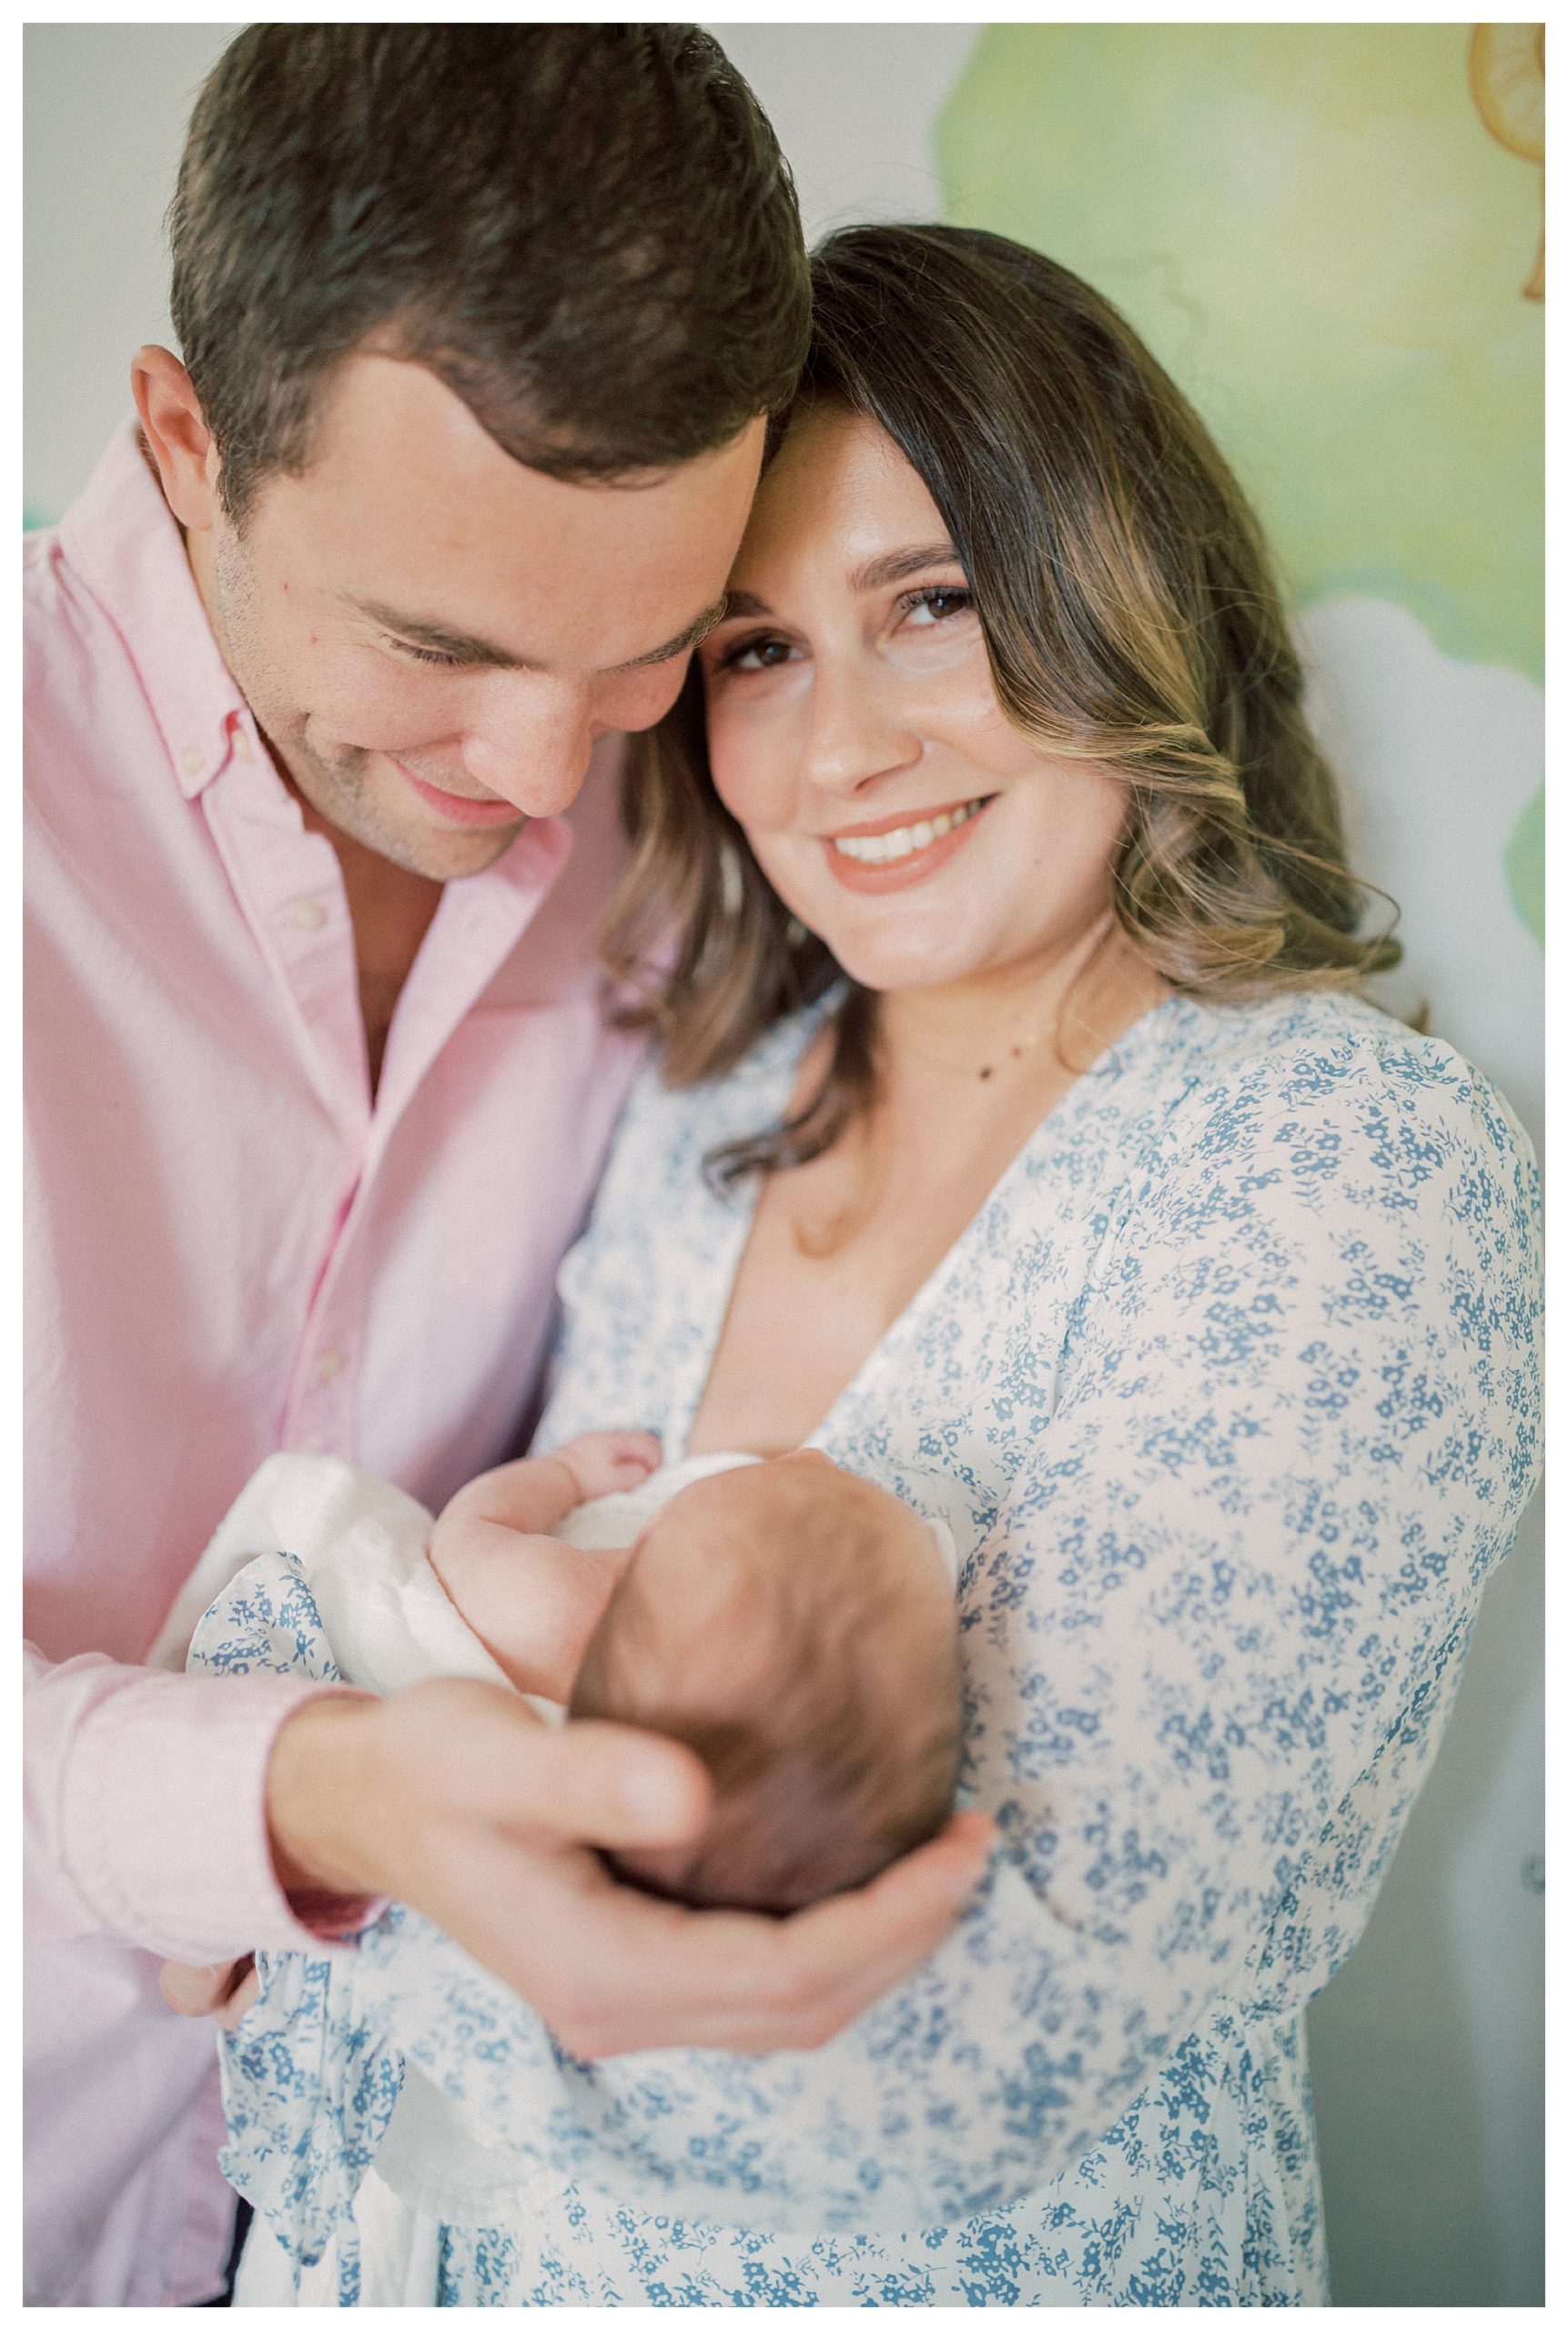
893, 566
744, 602
897, 565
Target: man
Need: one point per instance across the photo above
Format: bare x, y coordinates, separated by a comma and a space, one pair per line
480, 325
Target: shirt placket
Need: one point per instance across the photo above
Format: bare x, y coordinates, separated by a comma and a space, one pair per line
290, 885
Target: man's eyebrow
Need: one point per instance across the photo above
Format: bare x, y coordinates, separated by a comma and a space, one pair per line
695, 631
464, 647
460, 645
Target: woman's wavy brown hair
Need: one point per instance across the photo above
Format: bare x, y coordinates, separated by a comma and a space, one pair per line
1131, 617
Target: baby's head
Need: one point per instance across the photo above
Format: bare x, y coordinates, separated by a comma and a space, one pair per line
795, 1627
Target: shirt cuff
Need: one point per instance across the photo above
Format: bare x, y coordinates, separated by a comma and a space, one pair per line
334, 1917
164, 1821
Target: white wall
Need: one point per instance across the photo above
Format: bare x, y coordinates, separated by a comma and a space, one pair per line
1426, 2051
104, 113
106, 106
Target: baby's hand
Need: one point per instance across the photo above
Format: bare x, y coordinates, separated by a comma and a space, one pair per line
603, 1463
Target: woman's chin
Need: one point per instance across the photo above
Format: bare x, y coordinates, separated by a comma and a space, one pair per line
886, 974
890, 963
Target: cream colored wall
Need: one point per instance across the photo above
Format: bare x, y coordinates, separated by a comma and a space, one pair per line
1426, 2051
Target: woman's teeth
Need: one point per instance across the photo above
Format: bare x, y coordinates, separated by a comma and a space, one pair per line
882, 849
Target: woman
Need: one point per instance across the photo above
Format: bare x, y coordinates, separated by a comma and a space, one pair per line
1020, 1140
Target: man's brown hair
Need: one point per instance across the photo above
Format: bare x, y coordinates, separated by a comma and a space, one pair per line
587, 231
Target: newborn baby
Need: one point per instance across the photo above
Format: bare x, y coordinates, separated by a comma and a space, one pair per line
792, 1624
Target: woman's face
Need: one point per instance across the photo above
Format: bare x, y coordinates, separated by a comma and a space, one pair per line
855, 734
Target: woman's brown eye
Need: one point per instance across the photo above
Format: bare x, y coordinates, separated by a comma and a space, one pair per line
759, 655
940, 605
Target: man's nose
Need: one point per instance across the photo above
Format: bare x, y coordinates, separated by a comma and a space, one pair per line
530, 743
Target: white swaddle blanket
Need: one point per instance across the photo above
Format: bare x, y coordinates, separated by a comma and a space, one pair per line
361, 1544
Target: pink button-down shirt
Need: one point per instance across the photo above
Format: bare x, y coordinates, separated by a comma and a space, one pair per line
232, 1250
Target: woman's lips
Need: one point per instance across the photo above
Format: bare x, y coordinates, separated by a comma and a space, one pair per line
459, 806
900, 873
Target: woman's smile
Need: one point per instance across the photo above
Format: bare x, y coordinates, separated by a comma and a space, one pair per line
891, 853
856, 734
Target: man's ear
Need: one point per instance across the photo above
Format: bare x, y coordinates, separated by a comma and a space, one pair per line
178, 438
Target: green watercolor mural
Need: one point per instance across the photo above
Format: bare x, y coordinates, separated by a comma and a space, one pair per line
1329, 240
1526, 867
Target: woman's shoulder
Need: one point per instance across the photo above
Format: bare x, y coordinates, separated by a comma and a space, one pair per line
1321, 1091
657, 1164
676, 1118
1324, 1054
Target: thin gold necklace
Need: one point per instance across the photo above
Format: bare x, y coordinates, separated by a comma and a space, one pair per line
987, 1068
1053, 1025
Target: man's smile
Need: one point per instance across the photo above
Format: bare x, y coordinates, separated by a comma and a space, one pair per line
462, 808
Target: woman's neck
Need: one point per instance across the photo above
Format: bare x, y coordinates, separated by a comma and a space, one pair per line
1065, 1009
840, 1245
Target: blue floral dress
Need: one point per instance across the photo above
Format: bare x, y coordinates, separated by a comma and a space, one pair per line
1230, 1394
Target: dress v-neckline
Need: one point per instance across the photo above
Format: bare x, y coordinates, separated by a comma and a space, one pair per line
767, 1092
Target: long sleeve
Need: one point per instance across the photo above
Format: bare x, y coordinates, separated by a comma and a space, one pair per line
229, 1251
1210, 1636
145, 1818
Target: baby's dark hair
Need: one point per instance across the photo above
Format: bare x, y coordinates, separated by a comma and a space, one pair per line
821, 1691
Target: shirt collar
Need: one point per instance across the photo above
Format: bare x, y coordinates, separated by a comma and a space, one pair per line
121, 537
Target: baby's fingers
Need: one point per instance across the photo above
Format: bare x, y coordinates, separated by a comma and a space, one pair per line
603, 1462
635, 1455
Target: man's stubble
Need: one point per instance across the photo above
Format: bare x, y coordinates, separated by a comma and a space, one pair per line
338, 788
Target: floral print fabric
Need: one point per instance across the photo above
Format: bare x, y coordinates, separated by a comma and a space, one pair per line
1230, 1395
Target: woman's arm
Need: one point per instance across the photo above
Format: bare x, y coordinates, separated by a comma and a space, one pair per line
1297, 1424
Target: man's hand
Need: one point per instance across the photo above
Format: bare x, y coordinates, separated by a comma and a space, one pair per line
454, 1797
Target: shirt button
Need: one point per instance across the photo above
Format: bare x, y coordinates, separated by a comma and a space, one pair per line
306, 914
242, 744
329, 1366
192, 760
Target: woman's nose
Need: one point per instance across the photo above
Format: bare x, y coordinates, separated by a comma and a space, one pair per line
855, 734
